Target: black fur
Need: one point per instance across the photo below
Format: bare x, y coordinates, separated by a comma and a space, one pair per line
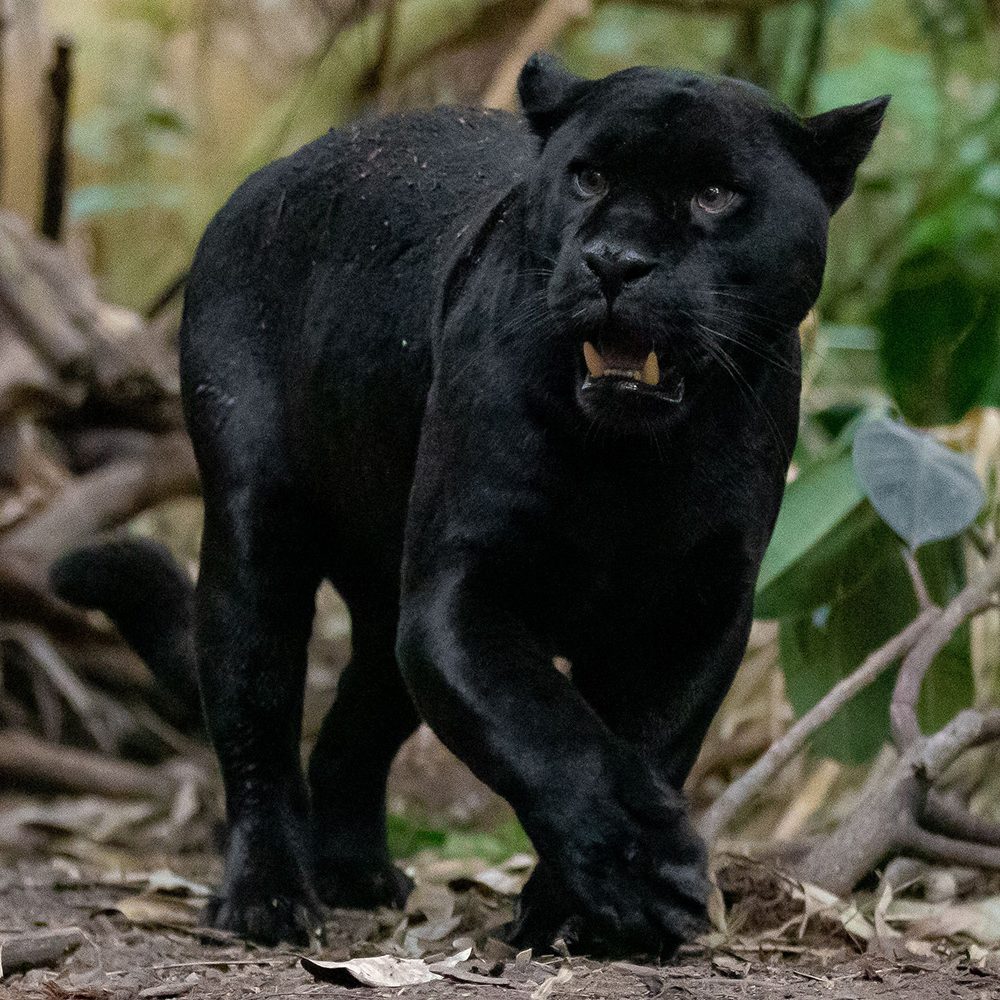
382, 368
136, 582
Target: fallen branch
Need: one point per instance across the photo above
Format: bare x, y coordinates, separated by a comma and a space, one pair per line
902, 814
890, 817
31, 762
37, 951
95, 502
976, 596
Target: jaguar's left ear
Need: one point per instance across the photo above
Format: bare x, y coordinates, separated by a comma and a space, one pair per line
548, 93
837, 141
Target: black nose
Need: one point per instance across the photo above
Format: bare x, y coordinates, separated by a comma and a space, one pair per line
615, 266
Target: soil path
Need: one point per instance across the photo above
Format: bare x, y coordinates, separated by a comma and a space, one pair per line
120, 959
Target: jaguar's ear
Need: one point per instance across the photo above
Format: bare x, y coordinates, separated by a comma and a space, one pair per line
837, 141
548, 92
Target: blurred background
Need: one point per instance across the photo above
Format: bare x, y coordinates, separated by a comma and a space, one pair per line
124, 125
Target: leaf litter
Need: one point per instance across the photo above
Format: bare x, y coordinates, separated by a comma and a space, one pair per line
772, 930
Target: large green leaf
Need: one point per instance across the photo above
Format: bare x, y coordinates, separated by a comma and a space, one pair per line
922, 490
820, 515
940, 345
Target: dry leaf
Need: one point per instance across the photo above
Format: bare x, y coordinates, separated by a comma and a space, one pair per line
817, 900
729, 965
519, 863
882, 927
563, 976
156, 909
164, 880
459, 956
420, 936
384, 970
717, 909
466, 976
501, 882
435, 902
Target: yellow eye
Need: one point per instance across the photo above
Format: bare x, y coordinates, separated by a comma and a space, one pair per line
591, 183
714, 199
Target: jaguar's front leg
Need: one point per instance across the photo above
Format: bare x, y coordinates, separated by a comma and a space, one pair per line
609, 831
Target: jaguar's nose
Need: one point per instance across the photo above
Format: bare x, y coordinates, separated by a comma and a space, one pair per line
615, 266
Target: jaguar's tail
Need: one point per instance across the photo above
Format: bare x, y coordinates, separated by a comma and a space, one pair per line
148, 596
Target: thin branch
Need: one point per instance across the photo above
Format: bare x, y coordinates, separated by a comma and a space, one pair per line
4, 25
815, 46
968, 730
917, 578
26, 760
375, 78
87, 708
977, 536
935, 847
949, 817
165, 297
973, 598
781, 752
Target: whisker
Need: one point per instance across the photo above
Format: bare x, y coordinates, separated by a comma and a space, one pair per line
741, 381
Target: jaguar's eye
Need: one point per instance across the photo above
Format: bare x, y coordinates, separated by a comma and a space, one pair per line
590, 183
714, 199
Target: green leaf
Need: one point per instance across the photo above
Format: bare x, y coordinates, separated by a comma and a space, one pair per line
407, 837
924, 491
940, 338
815, 522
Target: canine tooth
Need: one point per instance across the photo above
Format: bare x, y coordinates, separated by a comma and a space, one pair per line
651, 370
595, 363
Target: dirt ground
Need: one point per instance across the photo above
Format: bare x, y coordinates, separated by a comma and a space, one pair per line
156, 951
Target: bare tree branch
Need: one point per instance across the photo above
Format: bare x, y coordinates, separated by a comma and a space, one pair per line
741, 791
975, 597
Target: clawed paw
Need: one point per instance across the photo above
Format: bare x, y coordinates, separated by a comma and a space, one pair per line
269, 919
355, 883
634, 919
629, 878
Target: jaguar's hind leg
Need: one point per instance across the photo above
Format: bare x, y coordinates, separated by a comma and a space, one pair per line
369, 720
255, 607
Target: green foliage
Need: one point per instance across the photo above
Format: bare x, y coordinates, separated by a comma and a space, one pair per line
408, 837
835, 578
940, 338
821, 519
870, 599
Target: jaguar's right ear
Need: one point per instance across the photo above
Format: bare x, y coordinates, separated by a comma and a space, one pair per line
548, 93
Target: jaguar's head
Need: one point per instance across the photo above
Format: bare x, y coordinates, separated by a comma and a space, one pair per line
680, 223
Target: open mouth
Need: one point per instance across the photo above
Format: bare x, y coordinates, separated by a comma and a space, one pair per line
626, 372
